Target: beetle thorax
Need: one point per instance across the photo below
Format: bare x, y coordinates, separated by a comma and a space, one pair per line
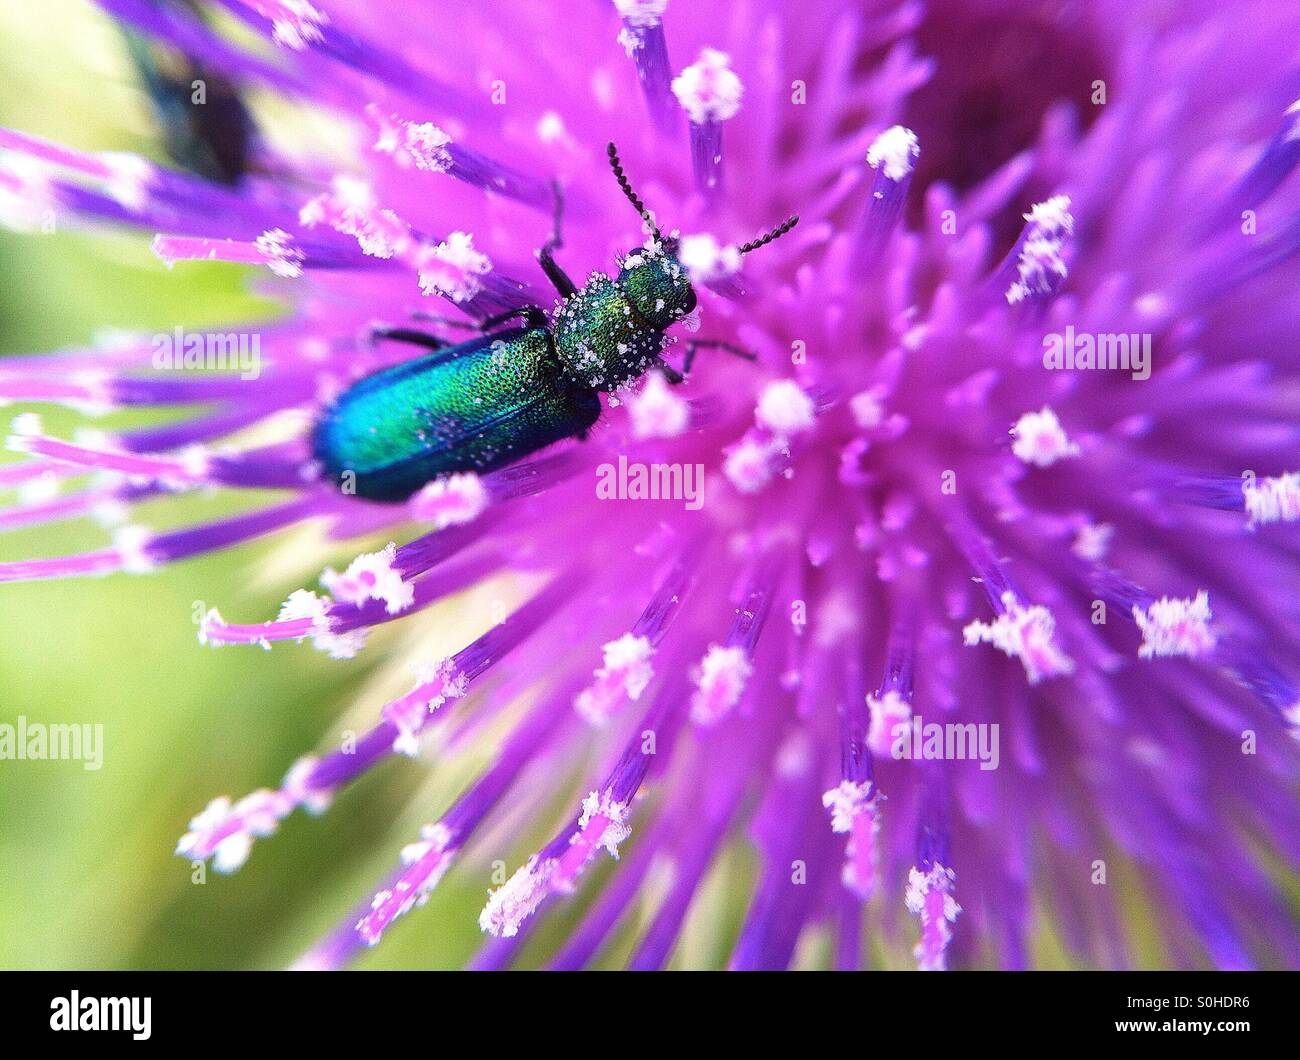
602, 341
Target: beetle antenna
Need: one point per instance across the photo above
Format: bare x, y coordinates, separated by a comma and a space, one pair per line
776, 233
632, 196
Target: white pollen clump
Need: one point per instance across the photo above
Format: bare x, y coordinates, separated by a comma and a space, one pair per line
22, 428
748, 463
1291, 715
435, 684
45, 487
1173, 626
658, 412
784, 408
350, 208
454, 499
303, 603
1092, 541
371, 576
419, 144
1273, 500
847, 801
295, 24
280, 254
887, 712
641, 13
131, 543
1040, 440
929, 898
224, 831
624, 676
453, 268
709, 89
1024, 633
719, 680
129, 178
630, 40
615, 813
433, 837
1041, 266
516, 900
550, 128
896, 150
27, 194
1052, 217
706, 260
866, 409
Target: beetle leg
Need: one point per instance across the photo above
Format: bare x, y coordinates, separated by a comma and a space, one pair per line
448, 322
717, 344
670, 373
415, 338
546, 255
692, 345
533, 315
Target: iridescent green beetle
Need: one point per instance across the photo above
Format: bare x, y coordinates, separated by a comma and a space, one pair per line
486, 403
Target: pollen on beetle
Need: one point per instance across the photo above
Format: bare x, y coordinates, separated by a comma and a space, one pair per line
1173, 626
784, 408
894, 152
719, 680
708, 89
453, 268
1040, 439
451, 500
371, 576
1024, 633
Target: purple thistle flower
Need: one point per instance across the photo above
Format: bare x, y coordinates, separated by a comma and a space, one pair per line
928, 518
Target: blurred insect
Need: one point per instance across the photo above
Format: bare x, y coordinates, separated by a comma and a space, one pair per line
490, 401
206, 128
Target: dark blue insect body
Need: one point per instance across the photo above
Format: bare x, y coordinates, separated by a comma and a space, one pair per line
488, 402
472, 407
205, 126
